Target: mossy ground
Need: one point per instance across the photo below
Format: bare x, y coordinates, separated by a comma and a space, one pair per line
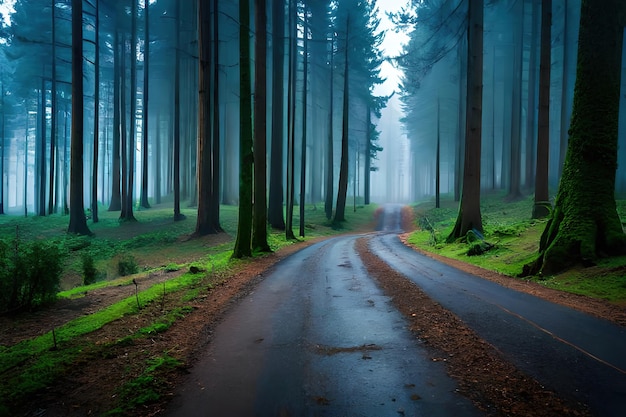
515, 236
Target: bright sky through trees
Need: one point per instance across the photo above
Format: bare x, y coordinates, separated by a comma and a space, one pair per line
6, 8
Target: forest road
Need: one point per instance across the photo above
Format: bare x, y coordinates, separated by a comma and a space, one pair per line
317, 337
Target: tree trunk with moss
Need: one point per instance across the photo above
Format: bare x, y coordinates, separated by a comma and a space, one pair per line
584, 224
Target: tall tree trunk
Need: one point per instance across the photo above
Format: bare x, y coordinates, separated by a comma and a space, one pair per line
206, 193
542, 206
243, 243
41, 155
531, 118
565, 116
304, 122
144, 112
215, 201
469, 211
78, 222
123, 133
176, 136
515, 157
585, 224
368, 157
291, 116
96, 118
116, 196
259, 231
127, 212
459, 144
157, 158
275, 210
53, 115
438, 161
328, 203
343, 165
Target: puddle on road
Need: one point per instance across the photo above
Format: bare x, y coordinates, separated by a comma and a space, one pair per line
334, 350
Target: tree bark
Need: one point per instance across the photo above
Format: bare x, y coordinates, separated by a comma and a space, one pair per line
515, 157
215, 201
303, 150
176, 136
78, 222
275, 211
116, 197
204, 223
53, 115
542, 205
328, 204
469, 211
243, 243
144, 109
259, 231
96, 118
584, 224
291, 124
343, 165
127, 209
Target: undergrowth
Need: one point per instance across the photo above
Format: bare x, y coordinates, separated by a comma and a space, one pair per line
512, 241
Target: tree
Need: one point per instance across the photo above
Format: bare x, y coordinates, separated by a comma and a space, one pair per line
243, 244
144, 112
305, 70
96, 118
328, 201
259, 231
275, 210
78, 221
541, 208
177, 93
584, 224
291, 118
130, 148
469, 216
343, 164
206, 192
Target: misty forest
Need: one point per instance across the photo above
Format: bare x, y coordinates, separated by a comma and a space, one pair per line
204, 138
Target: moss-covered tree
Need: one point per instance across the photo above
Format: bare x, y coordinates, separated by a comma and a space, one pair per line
584, 224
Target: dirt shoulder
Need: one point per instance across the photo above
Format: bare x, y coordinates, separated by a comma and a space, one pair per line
494, 385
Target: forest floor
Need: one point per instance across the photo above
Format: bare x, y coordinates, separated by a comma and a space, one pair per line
114, 374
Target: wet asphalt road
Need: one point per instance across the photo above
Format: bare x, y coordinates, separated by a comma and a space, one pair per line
318, 338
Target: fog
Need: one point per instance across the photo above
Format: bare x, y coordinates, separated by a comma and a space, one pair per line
414, 77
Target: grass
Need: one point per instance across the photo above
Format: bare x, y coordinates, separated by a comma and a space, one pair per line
515, 237
156, 242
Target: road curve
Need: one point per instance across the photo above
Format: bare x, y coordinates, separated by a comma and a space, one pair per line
580, 357
317, 338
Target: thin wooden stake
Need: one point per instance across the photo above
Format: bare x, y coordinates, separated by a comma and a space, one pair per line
137, 293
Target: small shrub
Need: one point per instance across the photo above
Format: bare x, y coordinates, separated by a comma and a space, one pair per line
90, 273
29, 274
127, 265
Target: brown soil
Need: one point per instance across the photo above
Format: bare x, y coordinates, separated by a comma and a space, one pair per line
92, 384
